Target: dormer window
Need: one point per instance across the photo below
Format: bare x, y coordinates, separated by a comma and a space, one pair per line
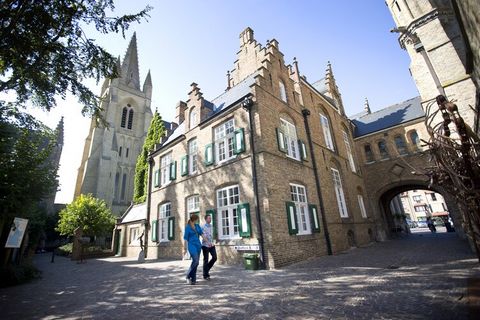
193, 118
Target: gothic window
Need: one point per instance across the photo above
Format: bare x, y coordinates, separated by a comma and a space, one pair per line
126, 153
341, 202
120, 152
117, 182
368, 153
124, 117
327, 132
400, 144
124, 186
283, 92
346, 139
130, 119
415, 139
382, 148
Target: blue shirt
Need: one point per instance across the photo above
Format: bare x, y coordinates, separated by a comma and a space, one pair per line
194, 245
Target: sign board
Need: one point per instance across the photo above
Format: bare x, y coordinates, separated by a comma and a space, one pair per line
17, 232
253, 247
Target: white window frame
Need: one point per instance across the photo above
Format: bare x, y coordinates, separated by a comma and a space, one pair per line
192, 156
346, 139
298, 195
134, 234
224, 136
361, 204
164, 212
283, 91
228, 200
193, 121
290, 139
341, 201
417, 198
165, 169
193, 204
327, 132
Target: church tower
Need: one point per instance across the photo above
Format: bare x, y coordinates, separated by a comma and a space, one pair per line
430, 33
110, 153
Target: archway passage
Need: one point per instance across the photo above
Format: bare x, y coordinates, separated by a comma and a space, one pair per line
411, 205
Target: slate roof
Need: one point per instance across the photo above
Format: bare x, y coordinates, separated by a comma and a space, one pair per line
220, 103
389, 117
134, 213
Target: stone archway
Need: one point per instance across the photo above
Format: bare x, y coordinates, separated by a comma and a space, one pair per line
386, 193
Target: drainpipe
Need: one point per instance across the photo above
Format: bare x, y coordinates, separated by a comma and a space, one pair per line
247, 104
149, 200
306, 113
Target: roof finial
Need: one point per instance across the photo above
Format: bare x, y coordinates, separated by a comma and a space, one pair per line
367, 106
228, 80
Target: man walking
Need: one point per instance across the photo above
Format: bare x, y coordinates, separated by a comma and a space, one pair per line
208, 247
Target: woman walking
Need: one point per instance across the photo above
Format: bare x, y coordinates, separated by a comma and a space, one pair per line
191, 236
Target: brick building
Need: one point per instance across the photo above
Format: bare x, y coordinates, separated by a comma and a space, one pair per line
246, 158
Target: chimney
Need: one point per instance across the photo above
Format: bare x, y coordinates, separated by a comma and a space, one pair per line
180, 112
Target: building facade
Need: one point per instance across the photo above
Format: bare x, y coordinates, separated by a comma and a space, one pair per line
420, 204
110, 153
272, 160
430, 33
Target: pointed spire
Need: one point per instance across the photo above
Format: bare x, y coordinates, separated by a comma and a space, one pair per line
329, 72
59, 132
119, 67
148, 81
367, 106
130, 72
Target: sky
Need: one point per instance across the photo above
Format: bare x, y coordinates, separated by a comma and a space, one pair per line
189, 41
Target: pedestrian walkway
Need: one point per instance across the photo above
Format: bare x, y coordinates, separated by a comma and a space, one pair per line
422, 276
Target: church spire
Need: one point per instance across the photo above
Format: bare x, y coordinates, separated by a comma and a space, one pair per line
367, 107
59, 132
130, 72
147, 85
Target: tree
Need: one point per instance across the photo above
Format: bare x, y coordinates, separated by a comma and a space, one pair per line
89, 213
45, 53
154, 135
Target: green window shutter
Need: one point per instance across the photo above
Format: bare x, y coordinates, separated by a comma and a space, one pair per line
239, 141
303, 149
281, 140
209, 155
314, 218
292, 217
244, 224
211, 212
184, 164
173, 170
154, 230
156, 179
171, 228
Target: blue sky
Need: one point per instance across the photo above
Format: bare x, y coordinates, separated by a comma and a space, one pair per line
197, 41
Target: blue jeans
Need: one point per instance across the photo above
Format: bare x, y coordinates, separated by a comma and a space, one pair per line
192, 271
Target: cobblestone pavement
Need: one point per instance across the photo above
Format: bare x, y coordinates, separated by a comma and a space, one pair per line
423, 276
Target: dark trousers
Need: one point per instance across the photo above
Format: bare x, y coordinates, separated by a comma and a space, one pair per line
207, 265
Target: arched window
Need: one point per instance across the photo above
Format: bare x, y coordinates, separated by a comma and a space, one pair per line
327, 133
124, 117
415, 139
193, 118
130, 119
400, 144
382, 148
283, 92
337, 184
117, 182
369, 157
124, 186
346, 140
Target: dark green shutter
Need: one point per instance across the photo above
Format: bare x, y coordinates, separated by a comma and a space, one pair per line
292, 217
184, 166
211, 212
173, 170
156, 179
244, 224
209, 155
171, 228
281, 140
239, 141
303, 149
314, 218
154, 230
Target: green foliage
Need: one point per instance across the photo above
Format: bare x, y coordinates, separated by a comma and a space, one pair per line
45, 52
26, 174
154, 135
65, 250
90, 214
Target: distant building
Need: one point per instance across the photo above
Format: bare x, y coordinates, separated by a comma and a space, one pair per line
420, 204
107, 168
